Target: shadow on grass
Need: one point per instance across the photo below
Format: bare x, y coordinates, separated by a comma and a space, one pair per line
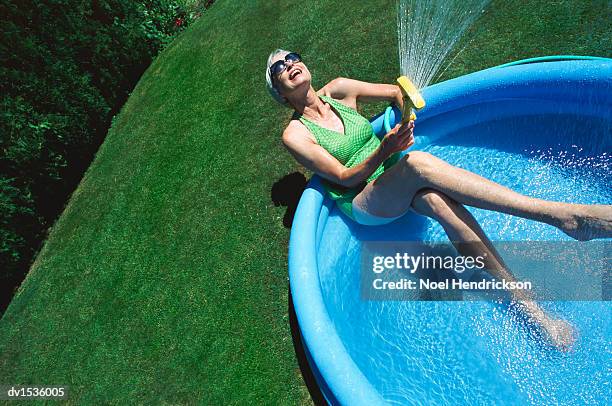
298, 345
287, 192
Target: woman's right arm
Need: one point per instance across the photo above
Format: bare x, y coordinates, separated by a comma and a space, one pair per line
318, 160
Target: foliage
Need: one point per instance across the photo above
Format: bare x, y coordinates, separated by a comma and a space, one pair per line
67, 68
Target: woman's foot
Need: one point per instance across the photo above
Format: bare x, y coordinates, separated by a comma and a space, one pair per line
588, 221
559, 333
556, 332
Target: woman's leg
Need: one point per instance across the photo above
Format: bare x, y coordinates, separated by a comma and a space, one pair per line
418, 170
470, 240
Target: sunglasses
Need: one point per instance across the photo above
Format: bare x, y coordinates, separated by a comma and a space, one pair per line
279, 66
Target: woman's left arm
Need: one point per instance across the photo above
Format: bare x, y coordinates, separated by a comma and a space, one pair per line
350, 91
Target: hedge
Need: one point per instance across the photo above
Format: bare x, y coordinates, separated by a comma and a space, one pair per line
66, 69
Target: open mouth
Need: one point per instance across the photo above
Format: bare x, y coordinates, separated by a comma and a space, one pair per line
294, 73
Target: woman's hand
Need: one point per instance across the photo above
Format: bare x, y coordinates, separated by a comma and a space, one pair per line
398, 139
399, 99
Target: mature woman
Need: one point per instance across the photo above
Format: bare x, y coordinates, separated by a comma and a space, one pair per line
372, 186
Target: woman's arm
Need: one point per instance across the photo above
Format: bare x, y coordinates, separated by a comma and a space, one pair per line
350, 91
319, 160
316, 159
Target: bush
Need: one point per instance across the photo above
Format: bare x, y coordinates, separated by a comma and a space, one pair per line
67, 67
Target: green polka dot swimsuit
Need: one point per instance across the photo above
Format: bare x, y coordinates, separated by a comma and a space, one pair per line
351, 148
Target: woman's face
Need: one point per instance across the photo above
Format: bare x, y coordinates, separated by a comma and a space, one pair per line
295, 76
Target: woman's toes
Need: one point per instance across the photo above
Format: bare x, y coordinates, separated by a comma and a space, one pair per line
561, 334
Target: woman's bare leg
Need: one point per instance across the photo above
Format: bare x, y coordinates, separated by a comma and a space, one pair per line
470, 240
418, 170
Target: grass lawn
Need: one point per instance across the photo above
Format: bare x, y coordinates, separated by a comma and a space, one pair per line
165, 279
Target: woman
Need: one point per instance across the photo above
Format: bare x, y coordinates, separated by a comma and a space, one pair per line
372, 186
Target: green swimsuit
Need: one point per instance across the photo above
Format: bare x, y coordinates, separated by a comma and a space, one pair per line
351, 148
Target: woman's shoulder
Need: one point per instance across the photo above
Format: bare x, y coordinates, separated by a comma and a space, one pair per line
347, 104
335, 90
340, 103
296, 128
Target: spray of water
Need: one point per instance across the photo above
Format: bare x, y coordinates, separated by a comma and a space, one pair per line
427, 31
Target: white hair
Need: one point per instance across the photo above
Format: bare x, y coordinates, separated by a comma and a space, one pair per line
269, 80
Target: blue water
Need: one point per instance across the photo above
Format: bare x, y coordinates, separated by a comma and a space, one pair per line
477, 352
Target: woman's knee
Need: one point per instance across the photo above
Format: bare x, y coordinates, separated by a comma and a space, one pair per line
419, 162
433, 203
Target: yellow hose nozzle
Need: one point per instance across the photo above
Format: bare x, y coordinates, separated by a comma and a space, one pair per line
412, 98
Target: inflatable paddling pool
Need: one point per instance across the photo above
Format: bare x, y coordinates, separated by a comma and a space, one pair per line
542, 127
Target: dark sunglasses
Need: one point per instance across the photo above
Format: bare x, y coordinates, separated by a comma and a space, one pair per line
279, 66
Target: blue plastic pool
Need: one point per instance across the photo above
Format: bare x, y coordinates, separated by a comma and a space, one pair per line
544, 129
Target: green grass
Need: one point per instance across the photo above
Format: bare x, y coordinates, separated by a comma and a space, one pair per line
165, 279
